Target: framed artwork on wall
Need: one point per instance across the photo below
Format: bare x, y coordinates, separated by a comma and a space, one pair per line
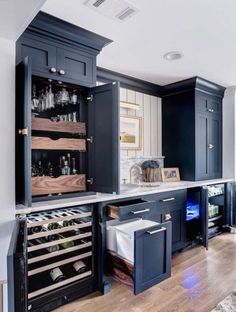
131, 132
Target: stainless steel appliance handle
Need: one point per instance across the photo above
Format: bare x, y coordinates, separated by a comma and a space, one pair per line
156, 231
140, 211
168, 199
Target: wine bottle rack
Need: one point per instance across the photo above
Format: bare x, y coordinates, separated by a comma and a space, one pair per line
72, 225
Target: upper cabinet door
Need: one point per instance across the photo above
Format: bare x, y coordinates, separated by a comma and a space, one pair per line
23, 132
43, 56
17, 269
76, 66
104, 134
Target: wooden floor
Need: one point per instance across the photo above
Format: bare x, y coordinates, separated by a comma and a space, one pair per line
200, 279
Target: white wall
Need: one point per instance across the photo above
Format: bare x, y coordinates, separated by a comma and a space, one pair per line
229, 135
7, 150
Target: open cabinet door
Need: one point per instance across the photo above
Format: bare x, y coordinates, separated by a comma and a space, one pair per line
204, 215
104, 138
17, 269
23, 132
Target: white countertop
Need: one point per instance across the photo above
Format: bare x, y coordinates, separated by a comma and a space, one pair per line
126, 192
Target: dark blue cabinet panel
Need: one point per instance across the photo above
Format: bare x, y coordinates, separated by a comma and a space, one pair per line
103, 130
192, 129
152, 256
77, 66
43, 55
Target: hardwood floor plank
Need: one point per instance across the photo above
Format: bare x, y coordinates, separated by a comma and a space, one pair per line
200, 280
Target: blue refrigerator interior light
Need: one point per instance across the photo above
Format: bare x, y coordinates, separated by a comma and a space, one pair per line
192, 211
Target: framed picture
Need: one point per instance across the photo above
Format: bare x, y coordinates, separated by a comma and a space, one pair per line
170, 174
131, 132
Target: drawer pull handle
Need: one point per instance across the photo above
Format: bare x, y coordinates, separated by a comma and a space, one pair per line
167, 216
156, 231
140, 211
168, 199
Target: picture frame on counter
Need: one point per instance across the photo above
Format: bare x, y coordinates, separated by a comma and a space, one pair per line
131, 132
170, 174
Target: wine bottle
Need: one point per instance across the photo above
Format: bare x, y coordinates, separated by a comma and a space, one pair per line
57, 275
66, 244
43, 240
35, 229
80, 267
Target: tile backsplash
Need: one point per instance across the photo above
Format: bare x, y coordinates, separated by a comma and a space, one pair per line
127, 162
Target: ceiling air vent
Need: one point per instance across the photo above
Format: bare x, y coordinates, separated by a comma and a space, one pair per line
119, 10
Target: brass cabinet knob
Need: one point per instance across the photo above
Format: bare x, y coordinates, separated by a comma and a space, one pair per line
24, 131
210, 146
61, 72
167, 216
211, 110
53, 70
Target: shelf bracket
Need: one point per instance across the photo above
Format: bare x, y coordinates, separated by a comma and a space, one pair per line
90, 181
90, 139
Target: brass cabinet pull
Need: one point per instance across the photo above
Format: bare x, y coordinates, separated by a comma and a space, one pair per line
53, 70
24, 131
61, 72
168, 199
140, 211
168, 216
156, 231
210, 146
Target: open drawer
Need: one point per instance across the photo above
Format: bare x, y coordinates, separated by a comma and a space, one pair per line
148, 263
134, 208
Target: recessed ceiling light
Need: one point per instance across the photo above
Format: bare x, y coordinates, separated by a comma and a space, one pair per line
173, 56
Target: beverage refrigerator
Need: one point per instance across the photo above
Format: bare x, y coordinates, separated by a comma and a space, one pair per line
51, 259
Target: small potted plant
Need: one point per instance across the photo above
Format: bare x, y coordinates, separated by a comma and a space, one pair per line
150, 170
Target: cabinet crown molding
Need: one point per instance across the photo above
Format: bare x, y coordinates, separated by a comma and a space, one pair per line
55, 28
196, 83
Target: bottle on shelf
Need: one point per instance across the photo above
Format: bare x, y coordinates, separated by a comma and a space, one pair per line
43, 240
40, 169
66, 244
51, 100
66, 168
80, 267
74, 171
50, 170
57, 275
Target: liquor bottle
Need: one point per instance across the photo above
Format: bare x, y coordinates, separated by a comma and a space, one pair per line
57, 275
74, 171
50, 170
80, 267
40, 169
51, 99
66, 168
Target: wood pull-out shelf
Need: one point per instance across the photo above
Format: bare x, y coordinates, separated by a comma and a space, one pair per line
63, 184
44, 143
44, 124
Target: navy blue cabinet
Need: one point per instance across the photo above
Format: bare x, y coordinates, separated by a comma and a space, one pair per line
52, 54
192, 128
171, 206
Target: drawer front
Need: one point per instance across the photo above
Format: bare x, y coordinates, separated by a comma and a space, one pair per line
152, 256
131, 209
168, 198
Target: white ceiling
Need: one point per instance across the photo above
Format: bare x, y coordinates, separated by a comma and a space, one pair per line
15, 15
203, 30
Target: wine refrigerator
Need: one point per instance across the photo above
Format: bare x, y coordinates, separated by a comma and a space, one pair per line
51, 259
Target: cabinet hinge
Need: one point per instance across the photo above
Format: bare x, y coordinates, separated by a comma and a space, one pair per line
90, 98
24, 131
90, 181
90, 139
